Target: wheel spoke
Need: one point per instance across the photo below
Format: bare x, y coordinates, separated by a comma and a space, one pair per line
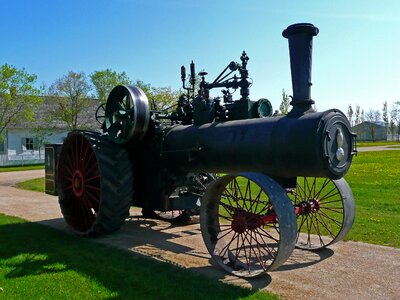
319, 205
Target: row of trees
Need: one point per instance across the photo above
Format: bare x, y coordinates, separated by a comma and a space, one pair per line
390, 119
71, 95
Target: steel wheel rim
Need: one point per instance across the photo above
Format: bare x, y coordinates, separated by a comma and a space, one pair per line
236, 239
127, 114
79, 181
325, 211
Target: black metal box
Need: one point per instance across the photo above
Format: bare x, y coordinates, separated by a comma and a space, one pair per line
52, 152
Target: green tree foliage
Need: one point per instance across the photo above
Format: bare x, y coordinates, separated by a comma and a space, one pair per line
70, 93
372, 116
350, 114
145, 87
395, 120
357, 115
18, 96
104, 81
160, 98
163, 98
284, 107
41, 136
385, 116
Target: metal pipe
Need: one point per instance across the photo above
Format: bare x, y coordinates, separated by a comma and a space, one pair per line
300, 38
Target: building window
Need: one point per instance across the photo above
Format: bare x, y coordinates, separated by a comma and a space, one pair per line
2, 147
29, 143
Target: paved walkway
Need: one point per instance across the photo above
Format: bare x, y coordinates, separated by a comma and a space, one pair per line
348, 270
377, 148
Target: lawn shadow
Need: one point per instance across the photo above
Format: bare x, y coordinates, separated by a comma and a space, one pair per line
36, 250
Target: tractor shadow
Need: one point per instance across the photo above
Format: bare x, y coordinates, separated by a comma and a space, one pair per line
183, 246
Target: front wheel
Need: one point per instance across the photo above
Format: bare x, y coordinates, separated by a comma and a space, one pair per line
325, 210
248, 224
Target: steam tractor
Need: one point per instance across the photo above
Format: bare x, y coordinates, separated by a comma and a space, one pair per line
262, 184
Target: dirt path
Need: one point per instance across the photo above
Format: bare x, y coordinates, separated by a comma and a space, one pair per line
348, 270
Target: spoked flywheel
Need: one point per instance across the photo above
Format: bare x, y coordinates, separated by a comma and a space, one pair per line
248, 224
95, 183
325, 211
127, 114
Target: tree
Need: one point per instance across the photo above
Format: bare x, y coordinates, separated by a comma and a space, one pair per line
145, 87
372, 117
70, 93
395, 120
357, 115
41, 136
362, 116
284, 108
160, 98
104, 81
385, 116
350, 114
18, 96
164, 97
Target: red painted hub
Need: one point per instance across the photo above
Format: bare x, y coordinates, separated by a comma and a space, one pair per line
78, 183
246, 220
239, 223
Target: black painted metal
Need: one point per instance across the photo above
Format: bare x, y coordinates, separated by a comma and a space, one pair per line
167, 159
300, 48
51, 154
278, 146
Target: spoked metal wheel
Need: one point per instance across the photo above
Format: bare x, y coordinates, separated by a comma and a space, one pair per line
95, 183
127, 114
325, 211
248, 224
101, 114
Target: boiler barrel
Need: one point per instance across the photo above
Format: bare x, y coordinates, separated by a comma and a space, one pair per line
315, 144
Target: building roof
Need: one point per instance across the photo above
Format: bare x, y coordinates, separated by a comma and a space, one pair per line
367, 123
86, 118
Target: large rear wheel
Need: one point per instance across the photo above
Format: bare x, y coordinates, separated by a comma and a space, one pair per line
95, 183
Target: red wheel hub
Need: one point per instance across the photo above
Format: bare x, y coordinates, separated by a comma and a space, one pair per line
78, 183
246, 220
239, 223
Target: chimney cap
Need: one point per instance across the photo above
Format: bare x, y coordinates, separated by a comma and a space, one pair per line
300, 28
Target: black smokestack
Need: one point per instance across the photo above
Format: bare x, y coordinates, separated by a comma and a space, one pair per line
300, 38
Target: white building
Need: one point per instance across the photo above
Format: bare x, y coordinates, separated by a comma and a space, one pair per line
25, 145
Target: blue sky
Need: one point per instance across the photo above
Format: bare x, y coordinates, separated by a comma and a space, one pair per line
355, 58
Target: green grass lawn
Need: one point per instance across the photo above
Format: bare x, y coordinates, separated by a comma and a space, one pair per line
36, 184
38, 262
375, 180
21, 168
